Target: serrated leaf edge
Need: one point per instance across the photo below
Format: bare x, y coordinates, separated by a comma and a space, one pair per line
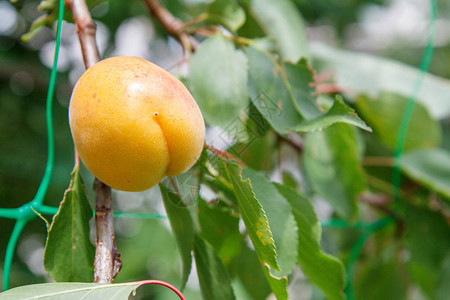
272, 241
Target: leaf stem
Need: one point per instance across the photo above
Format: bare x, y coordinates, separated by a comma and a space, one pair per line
175, 186
224, 154
77, 158
378, 161
198, 19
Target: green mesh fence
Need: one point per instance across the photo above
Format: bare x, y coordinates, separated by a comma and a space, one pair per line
29, 211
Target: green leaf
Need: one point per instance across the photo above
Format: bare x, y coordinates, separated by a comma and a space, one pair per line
182, 227
269, 222
220, 228
253, 215
39, 23
283, 97
280, 217
218, 81
325, 271
257, 153
430, 167
283, 227
427, 238
384, 115
50, 7
227, 13
281, 20
214, 280
424, 277
69, 253
443, 289
301, 79
74, 290
278, 285
371, 75
249, 271
339, 113
381, 281
290, 181
268, 92
332, 167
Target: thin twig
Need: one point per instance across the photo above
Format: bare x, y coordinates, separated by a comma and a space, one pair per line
174, 26
204, 31
200, 18
107, 258
224, 154
378, 161
175, 186
213, 30
86, 28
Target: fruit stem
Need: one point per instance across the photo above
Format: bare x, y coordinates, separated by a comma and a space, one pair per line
77, 158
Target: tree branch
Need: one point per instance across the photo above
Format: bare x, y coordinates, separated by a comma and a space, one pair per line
86, 28
107, 258
174, 26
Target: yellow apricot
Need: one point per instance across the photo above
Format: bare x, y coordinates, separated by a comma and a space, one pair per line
134, 123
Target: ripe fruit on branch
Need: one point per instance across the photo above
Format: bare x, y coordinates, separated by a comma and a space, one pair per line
134, 123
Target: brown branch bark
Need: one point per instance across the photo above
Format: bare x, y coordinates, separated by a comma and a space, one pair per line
174, 26
86, 28
107, 258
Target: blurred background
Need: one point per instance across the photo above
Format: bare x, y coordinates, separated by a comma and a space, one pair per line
391, 28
